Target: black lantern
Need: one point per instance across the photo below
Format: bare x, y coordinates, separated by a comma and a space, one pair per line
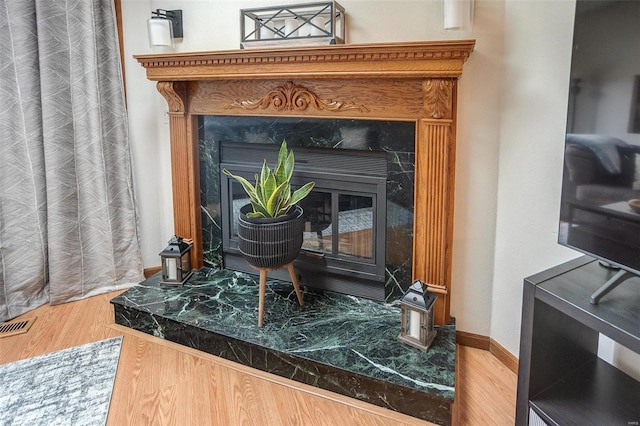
417, 317
176, 261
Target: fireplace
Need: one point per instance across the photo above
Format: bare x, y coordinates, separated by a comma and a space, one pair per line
401, 82
358, 236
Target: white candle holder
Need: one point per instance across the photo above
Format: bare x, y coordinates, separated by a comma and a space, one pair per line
176, 261
416, 323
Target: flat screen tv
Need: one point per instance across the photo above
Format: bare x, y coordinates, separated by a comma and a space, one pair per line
600, 206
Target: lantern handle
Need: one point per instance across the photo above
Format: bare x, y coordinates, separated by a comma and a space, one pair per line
175, 240
438, 289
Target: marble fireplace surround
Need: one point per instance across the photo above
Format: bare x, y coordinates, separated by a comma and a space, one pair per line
395, 81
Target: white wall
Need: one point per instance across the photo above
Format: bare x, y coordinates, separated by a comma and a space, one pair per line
149, 137
512, 109
536, 64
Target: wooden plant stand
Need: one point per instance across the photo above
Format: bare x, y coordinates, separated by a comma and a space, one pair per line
263, 287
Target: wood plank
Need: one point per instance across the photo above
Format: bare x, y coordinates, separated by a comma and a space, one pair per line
487, 389
406, 60
504, 356
474, 340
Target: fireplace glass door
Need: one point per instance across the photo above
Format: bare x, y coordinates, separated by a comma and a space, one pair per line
344, 216
346, 230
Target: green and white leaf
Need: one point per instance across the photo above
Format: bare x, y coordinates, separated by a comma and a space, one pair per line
271, 196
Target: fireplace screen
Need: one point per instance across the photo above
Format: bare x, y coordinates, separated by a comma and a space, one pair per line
344, 216
347, 230
359, 217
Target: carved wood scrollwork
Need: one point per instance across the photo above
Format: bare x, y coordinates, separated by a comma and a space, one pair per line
175, 92
294, 97
438, 95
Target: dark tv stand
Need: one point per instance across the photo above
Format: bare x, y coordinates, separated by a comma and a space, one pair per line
620, 277
561, 380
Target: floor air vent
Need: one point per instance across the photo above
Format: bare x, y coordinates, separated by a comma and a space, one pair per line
15, 327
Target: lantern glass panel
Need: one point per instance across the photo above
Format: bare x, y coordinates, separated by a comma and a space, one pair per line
185, 267
414, 321
171, 269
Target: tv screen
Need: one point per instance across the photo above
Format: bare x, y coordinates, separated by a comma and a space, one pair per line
600, 207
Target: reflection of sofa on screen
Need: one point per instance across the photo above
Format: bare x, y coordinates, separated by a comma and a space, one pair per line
601, 169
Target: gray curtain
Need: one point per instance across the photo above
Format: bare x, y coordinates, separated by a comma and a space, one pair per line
68, 225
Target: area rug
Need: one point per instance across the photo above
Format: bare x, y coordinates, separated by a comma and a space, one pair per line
68, 387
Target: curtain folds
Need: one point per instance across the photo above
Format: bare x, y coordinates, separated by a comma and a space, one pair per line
68, 225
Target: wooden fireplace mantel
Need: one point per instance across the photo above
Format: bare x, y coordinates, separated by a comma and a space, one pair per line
394, 81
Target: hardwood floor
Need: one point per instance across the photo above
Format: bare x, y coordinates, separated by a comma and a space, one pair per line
163, 383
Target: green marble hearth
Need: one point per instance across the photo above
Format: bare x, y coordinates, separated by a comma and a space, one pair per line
336, 342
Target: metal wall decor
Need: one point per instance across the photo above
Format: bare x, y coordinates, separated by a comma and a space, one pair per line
303, 24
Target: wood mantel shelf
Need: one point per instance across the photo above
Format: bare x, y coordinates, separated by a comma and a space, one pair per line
414, 81
418, 59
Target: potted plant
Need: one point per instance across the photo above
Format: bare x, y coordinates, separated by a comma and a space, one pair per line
270, 228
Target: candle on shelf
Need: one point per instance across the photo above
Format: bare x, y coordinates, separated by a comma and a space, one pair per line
290, 27
317, 27
266, 32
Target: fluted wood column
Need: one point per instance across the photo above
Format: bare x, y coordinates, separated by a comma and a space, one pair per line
185, 171
435, 159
